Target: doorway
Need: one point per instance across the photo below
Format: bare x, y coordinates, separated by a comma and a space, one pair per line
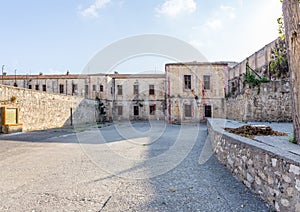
207, 111
136, 110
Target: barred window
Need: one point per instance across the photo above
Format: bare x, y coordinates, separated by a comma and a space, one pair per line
187, 110
120, 91
187, 82
151, 90
206, 79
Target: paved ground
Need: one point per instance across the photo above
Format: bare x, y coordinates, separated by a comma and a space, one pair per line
117, 168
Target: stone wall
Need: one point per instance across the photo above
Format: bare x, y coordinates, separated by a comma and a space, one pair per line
272, 173
40, 110
269, 102
259, 62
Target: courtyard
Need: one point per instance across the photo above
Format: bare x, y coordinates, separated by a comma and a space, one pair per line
127, 166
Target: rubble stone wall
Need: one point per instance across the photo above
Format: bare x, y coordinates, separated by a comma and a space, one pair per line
270, 172
268, 102
40, 110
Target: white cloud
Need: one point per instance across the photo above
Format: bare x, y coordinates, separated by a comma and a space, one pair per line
173, 8
214, 24
229, 11
92, 10
220, 17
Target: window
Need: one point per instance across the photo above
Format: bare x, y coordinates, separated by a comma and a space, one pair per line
120, 90
151, 89
120, 110
44, 87
37, 87
135, 89
29, 86
111, 90
101, 88
187, 82
187, 110
61, 88
152, 109
74, 89
94, 87
206, 79
136, 110
207, 111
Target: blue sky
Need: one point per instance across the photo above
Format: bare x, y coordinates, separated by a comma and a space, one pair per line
58, 35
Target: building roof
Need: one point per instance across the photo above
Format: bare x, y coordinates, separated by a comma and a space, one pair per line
195, 63
126, 76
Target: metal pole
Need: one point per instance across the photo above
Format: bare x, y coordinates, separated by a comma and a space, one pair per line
71, 116
15, 78
2, 73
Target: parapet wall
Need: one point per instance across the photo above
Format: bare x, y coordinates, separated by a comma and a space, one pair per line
272, 173
268, 102
40, 110
259, 61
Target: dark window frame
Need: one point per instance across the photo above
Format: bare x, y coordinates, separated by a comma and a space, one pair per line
152, 109
187, 81
120, 90
207, 111
136, 110
120, 110
61, 88
206, 82
151, 90
74, 88
188, 111
135, 89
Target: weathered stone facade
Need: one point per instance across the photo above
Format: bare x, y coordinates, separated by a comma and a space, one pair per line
88, 86
258, 62
269, 102
195, 91
272, 173
40, 110
137, 96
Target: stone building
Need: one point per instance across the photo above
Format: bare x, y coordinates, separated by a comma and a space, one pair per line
120, 96
187, 92
136, 96
89, 86
195, 91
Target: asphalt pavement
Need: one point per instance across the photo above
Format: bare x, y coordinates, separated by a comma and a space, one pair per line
136, 166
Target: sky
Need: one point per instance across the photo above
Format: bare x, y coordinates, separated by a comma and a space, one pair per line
54, 36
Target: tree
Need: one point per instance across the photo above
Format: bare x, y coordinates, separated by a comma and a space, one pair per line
291, 15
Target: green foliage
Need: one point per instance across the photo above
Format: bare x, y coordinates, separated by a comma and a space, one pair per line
252, 80
228, 95
279, 67
280, 22
292, 139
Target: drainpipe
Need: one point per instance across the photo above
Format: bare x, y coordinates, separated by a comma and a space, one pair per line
114, 97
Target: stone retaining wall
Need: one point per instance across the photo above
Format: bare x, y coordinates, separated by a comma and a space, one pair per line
269, 102
272, 173
40, 110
